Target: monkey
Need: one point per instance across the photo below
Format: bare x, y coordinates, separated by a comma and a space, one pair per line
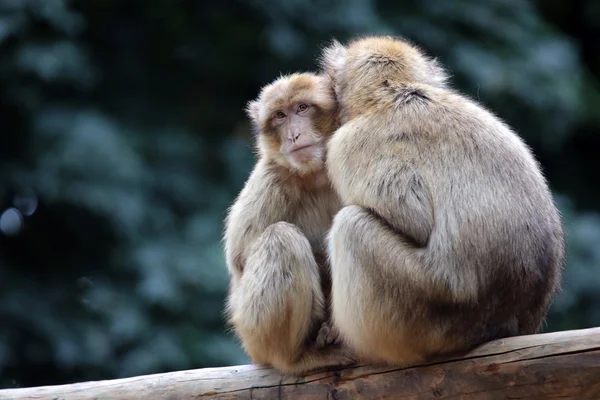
448, 236
275, 230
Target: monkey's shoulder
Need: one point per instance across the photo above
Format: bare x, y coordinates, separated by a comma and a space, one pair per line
413, 94
429, 116
306, 201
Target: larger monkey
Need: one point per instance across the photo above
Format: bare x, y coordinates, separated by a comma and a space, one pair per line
449, 236
276, 229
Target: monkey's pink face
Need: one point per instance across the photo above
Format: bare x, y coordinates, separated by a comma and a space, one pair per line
294, 116
299, 142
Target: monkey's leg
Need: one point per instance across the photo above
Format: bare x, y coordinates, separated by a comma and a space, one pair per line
278, 303
370, 298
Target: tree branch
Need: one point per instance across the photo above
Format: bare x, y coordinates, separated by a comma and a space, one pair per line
552, 365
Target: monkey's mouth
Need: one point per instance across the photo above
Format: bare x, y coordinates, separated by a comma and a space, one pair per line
304, 153
302, 147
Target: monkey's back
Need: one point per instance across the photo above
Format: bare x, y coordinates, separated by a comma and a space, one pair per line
495, 220
497, 237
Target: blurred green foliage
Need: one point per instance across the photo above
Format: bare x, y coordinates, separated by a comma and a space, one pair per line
123, 141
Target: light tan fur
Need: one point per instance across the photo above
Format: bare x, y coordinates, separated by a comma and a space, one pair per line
276, 230
449, 236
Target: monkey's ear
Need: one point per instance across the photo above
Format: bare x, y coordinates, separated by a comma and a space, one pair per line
333, 58
253, 110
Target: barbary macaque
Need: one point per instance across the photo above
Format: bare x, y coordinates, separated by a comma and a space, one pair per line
448, 236
275, 236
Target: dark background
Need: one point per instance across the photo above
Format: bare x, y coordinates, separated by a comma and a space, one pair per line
123, 141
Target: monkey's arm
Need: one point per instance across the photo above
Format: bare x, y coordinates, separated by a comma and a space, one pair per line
375, 169
260, 204
380, 170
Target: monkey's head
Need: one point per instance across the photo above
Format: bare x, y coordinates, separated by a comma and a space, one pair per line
365, 64
293, 117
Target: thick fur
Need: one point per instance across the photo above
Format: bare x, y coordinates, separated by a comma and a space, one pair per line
275, 235
449, 236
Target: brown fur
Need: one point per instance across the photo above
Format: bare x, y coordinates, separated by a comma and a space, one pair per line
449, 236
276, 229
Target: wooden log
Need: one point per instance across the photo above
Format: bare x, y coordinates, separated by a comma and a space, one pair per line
563, 365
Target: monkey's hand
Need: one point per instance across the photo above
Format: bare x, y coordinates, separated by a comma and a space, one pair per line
328, 334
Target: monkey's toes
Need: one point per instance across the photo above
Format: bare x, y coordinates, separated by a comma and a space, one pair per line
328, 334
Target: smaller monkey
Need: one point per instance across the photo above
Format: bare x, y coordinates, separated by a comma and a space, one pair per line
276, 230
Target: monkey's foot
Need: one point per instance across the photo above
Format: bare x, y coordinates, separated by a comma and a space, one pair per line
328, 334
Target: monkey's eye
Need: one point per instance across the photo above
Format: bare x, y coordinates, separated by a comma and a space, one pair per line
279, 115
302, 107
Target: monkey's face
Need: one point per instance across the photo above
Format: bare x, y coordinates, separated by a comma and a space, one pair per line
295, 115
295, 138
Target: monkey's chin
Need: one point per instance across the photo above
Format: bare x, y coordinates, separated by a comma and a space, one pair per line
306, 154
307, 160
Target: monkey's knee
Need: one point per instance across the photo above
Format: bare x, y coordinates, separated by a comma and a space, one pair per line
286, 243
283, 253
349, 224
349, 217
287, 250
348, 233
282, 230
281, 273
278, 299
